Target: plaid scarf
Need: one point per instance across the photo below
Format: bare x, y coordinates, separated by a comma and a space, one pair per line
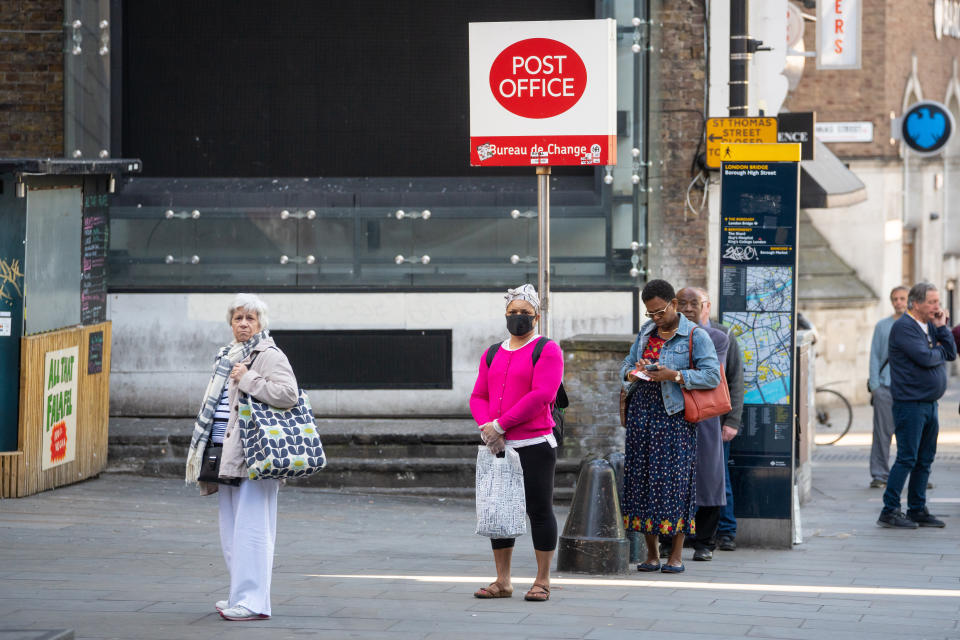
227, 357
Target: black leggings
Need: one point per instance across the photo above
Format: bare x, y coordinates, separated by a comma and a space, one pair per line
538, 462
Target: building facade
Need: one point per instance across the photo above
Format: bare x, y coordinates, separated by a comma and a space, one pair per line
280, 147
318, 156
907, 229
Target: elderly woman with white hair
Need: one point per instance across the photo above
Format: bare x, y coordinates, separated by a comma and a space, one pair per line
252, 364
516, 384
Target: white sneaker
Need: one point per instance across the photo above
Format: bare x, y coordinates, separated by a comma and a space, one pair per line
240, 613
221, 605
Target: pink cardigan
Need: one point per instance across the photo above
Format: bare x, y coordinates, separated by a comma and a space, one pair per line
515, 393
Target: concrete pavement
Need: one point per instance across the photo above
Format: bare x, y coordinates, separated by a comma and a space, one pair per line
129, 557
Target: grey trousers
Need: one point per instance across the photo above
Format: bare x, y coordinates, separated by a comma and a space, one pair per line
883, 429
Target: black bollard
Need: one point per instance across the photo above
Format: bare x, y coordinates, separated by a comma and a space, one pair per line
617, 460
637, 546
593, 539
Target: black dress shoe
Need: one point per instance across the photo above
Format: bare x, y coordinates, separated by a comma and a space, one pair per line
896, 520
926, 520
726, 543
703, 555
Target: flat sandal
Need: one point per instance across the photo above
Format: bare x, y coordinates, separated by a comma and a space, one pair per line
488, 593
540, 596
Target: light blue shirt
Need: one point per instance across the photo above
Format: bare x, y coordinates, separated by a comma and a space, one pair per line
879, 350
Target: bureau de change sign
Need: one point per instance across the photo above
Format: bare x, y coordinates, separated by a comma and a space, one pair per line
543, 93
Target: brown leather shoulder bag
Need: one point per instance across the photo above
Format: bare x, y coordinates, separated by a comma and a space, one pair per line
701, 404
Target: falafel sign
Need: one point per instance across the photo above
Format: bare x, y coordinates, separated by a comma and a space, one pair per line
543, 93
59, 407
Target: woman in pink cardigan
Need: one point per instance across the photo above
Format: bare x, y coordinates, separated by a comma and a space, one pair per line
511, 403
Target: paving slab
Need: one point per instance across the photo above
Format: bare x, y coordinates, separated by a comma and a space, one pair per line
129, 557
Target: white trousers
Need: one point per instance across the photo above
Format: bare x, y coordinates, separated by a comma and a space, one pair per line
248, 530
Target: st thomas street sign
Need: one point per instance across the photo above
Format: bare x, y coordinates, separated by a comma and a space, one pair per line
543, 93
721, 131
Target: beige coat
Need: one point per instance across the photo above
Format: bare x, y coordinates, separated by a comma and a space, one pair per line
269, 380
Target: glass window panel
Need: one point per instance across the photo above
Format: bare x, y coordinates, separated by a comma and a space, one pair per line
578, 237
87, 79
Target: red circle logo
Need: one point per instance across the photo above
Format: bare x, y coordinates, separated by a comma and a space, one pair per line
538, 78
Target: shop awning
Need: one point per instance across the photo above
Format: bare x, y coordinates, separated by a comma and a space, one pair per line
826, 182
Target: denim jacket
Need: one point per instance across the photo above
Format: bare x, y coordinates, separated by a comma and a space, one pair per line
676, 355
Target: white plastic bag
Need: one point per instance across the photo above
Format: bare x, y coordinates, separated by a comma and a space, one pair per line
501, 505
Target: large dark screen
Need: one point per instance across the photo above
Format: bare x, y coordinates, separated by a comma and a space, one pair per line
305, 87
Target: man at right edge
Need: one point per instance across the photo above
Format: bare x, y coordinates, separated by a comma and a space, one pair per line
920, 346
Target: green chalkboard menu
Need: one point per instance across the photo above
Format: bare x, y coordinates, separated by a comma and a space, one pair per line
95, 353
95, 239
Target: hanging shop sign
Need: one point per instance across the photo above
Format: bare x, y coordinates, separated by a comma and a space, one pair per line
798, 126
946, 18
926, 127
839, 34
759, 208
59, 407
721, 131
795, 26
543, 93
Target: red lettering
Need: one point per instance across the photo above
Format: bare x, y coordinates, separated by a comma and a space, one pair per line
838, 26
836, 6
58, 442
838, 46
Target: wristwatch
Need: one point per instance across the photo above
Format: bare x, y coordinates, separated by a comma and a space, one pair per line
679, 378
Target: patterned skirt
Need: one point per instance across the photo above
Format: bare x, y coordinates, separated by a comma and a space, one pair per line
659, 481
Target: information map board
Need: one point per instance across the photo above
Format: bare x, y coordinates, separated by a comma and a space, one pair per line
758, 266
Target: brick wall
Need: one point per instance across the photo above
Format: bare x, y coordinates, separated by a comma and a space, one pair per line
679, 251
591, 372
31, 78
892, 31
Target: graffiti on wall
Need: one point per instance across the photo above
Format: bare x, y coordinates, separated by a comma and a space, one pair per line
11, 280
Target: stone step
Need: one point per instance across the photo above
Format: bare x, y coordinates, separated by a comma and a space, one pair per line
36, 634
403, 456
453, 477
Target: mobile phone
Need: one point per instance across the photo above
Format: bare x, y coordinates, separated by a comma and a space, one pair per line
651, 367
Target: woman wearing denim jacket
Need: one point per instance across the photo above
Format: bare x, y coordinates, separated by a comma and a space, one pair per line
659, 486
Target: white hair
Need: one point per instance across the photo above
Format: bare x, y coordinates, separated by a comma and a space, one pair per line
250, 302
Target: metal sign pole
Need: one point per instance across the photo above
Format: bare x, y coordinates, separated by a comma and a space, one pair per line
543, 246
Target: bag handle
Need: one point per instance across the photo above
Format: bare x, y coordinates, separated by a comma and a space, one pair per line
691, 348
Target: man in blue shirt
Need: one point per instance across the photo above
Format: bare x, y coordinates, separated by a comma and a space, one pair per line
879, 385
920, 346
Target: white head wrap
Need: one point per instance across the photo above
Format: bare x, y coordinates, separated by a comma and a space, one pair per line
527, 292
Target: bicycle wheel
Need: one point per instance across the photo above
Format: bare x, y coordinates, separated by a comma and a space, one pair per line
833, 414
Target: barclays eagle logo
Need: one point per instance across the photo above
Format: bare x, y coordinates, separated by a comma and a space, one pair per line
927, 127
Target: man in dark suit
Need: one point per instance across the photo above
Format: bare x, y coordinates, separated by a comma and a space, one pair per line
920, 346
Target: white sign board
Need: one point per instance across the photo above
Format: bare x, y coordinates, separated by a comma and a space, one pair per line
543, 93
59, 407
838, 34
844, 131
6, 323
946, 18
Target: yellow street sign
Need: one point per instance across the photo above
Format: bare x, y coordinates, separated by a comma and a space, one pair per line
743, 130
776, 152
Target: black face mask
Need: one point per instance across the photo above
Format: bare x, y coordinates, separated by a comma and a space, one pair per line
520, 325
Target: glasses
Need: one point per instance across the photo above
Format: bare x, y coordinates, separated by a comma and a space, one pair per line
657, 314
